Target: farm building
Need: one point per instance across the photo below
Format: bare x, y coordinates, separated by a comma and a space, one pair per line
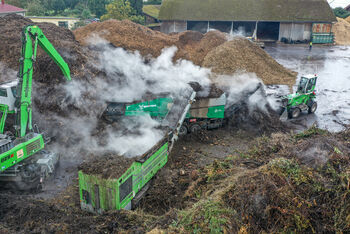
267, 20
66, 22
347, 8
151, 13
6, 9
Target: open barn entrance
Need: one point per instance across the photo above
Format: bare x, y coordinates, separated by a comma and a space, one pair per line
268, 31
244, 28
221, 26
199, 26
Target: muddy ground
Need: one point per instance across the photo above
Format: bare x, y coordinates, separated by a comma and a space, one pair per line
224, 179
331, 65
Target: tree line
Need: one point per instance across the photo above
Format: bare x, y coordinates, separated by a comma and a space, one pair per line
85, 9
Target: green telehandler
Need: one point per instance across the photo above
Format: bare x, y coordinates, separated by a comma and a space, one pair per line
303, 100
24, 164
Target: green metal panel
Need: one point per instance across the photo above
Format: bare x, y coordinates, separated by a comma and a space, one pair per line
322, 38
98, 194
216, 112
21, 151
155, 108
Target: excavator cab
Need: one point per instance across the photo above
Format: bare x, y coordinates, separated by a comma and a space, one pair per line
8, 94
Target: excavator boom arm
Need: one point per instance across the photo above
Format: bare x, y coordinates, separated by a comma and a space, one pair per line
32, 34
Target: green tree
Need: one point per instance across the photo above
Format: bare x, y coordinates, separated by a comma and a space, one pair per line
17, 3
86, 14
57, 5
137, 6
71, 3
121, 10
98, 7
35, 8
341, 12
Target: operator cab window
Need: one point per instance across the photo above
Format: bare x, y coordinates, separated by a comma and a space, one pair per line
3, 93
309, 86
302, 85
14, 91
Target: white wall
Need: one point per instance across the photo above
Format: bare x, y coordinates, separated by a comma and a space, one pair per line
173, 26
295, 31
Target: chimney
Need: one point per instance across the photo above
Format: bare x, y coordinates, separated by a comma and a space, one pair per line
3, 2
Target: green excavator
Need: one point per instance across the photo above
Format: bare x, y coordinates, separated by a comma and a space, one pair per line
23, 162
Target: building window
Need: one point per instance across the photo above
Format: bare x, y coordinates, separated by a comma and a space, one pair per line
63, 24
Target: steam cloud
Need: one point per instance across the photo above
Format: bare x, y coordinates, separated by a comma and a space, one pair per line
128, 78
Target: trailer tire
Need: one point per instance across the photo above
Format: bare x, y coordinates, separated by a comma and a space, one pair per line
294, 113
183, 130
195, 128
312, 107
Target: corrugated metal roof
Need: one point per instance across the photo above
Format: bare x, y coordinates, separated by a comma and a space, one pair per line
6, 8
247, 10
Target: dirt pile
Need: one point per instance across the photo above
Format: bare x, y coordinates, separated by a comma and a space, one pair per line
197, 45
47, 75
348, 19
208, 50
131, 36
341, 31
109, 166
240, 54
127, 35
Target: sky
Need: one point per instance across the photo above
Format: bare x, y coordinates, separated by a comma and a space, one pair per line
339, 3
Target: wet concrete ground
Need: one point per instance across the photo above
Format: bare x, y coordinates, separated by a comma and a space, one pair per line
332, 66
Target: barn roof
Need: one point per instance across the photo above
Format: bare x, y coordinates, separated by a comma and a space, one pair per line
6, 8
151, 10
247, 10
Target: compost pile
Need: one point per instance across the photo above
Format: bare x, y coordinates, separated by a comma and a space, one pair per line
47, 76
341, 31
134, 37
127, 35
107, 166
248, 189
210, 50
240, 54
348, 19
285, 183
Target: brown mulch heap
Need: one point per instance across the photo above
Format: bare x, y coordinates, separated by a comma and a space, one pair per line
45, 70
48, 96
127, 35
108, 166
341, 31
198, 45
191, 45
242, 55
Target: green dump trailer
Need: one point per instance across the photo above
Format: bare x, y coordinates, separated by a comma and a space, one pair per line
98, 194
205, 113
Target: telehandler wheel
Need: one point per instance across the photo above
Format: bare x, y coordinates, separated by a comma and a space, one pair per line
294, 113
183, 130
195, 128
312, 108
